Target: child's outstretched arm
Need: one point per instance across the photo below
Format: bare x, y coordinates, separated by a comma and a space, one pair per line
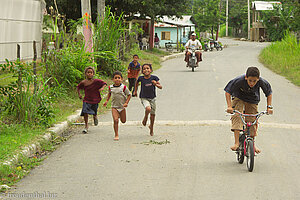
102, 88
157, 84
228, 100
108, 97
78, 90
127, 101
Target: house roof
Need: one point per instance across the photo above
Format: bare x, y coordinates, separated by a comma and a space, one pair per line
166, 21
264, 5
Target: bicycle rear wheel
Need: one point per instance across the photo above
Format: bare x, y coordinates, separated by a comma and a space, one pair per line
250, 155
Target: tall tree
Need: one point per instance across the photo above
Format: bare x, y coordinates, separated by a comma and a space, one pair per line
238, 15
150, 8
207, 15
282, 18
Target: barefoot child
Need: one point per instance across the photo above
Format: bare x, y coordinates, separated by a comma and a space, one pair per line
92, 88
134, 69
148, 84
245, 93
120, 99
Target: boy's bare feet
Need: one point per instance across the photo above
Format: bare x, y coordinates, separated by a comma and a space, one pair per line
257, 150
151, 130
144, 122
234, 147
116, 138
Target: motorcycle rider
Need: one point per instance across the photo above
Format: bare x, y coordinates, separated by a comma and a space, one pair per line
193, 42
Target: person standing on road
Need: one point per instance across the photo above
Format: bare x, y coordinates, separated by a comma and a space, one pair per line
245, 93
193, 43
156, 41
134, 69
120, 99
148, 94
92, 88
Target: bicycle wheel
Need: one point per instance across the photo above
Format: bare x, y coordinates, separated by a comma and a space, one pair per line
240, 154
250, 155
193, 68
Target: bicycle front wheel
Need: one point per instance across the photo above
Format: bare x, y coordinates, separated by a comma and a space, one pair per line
250, 155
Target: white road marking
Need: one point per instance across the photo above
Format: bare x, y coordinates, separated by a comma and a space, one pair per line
202, 123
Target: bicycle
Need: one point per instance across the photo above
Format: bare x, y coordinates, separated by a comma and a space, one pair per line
246, 146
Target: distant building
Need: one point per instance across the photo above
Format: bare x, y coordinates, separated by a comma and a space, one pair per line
20, 23
174, 30
258, 31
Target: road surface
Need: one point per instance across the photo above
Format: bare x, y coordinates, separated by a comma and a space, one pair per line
195, 161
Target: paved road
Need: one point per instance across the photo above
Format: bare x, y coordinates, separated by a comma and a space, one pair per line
197, 163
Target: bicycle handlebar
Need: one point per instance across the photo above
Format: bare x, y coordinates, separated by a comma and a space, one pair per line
257, 116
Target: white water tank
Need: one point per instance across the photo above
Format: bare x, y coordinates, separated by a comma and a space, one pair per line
20, 23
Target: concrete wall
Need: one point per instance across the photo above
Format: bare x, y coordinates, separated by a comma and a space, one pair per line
20, 23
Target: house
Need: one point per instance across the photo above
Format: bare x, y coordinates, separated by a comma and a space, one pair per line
174, 30
20, 23
258, 31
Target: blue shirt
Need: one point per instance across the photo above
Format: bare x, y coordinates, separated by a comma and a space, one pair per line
239, 88
147, 88
134, 67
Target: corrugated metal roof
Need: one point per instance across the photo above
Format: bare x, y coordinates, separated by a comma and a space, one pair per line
184, 21
264, 5
174, 21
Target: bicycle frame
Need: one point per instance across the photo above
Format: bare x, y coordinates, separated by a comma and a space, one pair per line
246, 147
247, 125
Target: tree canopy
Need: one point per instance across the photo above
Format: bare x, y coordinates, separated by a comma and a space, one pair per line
207, 14
150, 8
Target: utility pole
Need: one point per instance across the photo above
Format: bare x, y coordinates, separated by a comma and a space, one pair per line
87, 22
226, 18
248, 19
100, 9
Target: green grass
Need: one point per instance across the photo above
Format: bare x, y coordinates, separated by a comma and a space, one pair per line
13, 137
6, 78
283, 57
9, 175
149, 56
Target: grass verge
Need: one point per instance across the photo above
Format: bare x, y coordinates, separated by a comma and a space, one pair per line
283, 57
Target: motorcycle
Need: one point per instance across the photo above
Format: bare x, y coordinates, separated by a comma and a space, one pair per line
218, 45
192, 59
215, 44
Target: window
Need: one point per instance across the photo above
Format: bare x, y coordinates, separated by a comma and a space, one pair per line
166, 35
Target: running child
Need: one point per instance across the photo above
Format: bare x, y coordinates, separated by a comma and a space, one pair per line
92, 88
134, 69
120, 98
148, 94
245, 93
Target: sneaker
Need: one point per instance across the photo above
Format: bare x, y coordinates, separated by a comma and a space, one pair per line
95, 121
84, 131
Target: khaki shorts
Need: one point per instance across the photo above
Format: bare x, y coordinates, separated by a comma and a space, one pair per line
241, 106
149, 103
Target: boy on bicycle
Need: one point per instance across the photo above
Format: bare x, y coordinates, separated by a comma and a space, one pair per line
243, 94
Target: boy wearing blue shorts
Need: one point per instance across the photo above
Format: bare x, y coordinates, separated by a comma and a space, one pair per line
92, 88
